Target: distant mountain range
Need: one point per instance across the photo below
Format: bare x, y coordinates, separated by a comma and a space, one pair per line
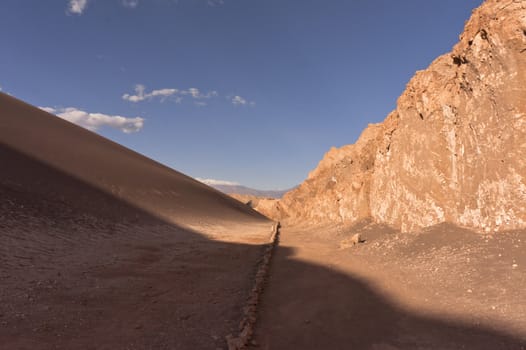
235, 188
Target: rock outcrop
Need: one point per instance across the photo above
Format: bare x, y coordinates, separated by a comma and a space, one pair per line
338, 190
454, 149
267, 206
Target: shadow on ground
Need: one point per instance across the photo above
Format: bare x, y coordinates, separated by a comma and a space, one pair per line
81, 269
308, 306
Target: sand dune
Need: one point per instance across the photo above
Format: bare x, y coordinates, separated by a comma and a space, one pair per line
111, 168
103, 248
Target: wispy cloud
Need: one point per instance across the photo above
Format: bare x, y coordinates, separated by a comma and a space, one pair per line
93, 121
214, 3
163, 94
77, 7
178, 95
195, 93
213, 182
240, 101
141, 95
130, 3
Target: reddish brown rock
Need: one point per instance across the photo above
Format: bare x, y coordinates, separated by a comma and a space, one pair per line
267, 206
454, 149
338, 190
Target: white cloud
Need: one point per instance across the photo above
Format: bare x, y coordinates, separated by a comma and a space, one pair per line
195, 93
177, 95
240, 101
130, 3
141, 94
163, 92
191, 91
215, 3
77, 6
93, 121
213, 182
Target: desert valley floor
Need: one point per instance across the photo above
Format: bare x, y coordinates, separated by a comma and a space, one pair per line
151, 285
445, 288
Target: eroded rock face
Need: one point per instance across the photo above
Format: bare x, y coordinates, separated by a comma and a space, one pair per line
453, 150
338, 190
267, 206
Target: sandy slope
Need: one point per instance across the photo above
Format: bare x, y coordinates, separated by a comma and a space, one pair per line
114, 169
103, 248
443, 288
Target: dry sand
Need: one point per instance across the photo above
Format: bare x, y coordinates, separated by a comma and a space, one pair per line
103, 248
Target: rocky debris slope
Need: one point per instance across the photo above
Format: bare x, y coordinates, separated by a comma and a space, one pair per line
267, 206
454, 149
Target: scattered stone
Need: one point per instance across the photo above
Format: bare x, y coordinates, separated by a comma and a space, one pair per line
352, 241
246, 326
357, 238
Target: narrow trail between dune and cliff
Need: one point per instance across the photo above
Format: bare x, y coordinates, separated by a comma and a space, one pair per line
320, 296
250, 309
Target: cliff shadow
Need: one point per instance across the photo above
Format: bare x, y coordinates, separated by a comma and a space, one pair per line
308, 306
82, 269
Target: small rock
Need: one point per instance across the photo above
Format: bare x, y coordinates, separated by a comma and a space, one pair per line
357, 238
514, 266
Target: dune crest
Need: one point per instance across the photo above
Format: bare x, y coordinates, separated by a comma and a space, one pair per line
115, 170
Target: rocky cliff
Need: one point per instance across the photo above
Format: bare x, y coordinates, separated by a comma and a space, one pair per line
454, 149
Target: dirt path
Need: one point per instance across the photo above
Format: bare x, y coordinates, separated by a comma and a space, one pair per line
322, 297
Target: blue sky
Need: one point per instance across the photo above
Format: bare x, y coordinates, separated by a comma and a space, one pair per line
249, 91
